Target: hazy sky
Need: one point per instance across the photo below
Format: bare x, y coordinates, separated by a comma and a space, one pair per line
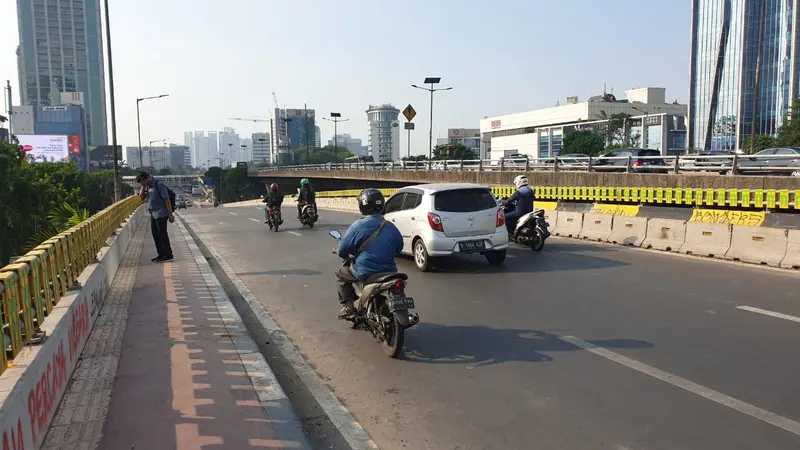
223, 59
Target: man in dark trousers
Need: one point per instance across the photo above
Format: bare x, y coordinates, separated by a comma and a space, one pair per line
160, 208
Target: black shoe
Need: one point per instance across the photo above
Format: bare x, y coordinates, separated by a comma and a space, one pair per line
165, 258
155, 259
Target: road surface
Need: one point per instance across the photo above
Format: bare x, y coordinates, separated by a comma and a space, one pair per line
581, 346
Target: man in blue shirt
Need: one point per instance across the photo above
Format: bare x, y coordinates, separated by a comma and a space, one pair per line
523, 201
160, 208
373, 241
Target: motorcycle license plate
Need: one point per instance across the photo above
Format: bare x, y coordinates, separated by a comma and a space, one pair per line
471, 246
398, 303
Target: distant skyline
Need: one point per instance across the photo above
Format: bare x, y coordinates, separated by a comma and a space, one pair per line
512, 60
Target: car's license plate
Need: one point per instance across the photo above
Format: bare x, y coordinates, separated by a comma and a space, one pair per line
472, 246
397, 303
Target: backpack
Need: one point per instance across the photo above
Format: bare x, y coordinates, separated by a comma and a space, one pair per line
172, 198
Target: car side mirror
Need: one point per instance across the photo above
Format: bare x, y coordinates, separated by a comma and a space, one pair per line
335, 234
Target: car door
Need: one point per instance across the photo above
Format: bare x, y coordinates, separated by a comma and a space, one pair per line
408, 217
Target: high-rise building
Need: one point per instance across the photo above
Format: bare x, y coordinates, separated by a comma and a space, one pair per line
212, 145
200, 150
61, 50
384, 132
292, 129
261, 148
229, 146
317, 137
246, 155
724, 50
353, 145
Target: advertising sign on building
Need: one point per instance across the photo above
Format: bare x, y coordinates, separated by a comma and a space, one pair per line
74, 145
44, 147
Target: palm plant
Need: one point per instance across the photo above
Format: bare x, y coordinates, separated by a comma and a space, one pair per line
61, 218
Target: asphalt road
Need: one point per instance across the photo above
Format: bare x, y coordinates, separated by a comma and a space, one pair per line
581, 346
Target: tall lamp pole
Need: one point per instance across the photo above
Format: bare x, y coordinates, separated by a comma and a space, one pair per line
335, 118
432, 81
139, 122
113, 105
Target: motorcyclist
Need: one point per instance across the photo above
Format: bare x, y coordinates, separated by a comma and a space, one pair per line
373, 241
521, 199
273, 199
305, 195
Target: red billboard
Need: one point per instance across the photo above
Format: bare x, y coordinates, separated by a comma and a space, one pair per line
74, 145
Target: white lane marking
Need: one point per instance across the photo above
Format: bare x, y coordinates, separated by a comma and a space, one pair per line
254, 220
767, 312
294, 233
233, 214
710, 394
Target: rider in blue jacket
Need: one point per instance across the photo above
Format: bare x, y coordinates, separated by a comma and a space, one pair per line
378, 254
523, 198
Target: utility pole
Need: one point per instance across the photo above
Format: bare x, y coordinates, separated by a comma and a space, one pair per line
308, 153
113, 107
336, 118
432, 81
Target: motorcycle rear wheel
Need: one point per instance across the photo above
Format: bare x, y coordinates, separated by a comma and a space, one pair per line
538, 242
392, 342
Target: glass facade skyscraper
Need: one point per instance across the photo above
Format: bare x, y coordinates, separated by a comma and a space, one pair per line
724, 49
61, 50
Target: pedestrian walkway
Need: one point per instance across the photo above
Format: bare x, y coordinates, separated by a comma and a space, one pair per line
169, 365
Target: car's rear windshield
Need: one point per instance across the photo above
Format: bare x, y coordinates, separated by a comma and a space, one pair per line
464, 200
649, 153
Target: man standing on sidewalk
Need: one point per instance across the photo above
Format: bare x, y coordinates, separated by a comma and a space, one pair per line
160, 208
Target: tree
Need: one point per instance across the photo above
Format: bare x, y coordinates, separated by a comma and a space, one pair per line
789, 131
761, 142
617, 128
587, 142
453, 151
165, 171
415, 158
324, 155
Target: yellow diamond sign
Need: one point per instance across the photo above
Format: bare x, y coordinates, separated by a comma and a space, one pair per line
410, 113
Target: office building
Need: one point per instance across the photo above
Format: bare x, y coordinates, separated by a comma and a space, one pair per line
179, 157
200, 155
352, 145
384, 132
212, 145
722, 65
229, 147
291, 129
540, 133
246, 154
468, 137
23, 119
261, 148
176, 157
65, 121
317, 137
61, 51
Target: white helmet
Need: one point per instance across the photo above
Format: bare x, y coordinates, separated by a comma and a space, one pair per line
521, 180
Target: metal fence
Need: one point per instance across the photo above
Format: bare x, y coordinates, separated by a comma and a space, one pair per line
33, 284
713, 164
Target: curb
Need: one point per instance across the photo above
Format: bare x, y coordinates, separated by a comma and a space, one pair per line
283, 420
352, 432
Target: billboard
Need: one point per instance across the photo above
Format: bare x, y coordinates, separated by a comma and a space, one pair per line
44, 147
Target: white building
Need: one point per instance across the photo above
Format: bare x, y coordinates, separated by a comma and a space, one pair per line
229, 147
384, 132
23, 119
540, 133
261, 144
353, 145
469, 137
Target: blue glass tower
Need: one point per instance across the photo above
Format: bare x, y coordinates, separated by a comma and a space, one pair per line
724, 49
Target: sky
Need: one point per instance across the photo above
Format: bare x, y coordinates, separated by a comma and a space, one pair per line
220, 60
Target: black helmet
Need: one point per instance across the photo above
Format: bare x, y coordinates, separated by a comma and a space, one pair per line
371, 202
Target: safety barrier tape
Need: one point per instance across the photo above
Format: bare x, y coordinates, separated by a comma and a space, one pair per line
33, 284
773, 199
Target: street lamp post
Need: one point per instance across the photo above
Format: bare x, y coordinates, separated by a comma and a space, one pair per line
261, 140
113, 106
336, 118
243, 155
139, 122
432, 81
150, 147
230, 152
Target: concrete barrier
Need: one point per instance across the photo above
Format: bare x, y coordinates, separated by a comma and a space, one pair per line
551, 217
628, 230
348, 204
707, 239
596, 227
665, 234
792, 259
568, 224
757, 245
31, 390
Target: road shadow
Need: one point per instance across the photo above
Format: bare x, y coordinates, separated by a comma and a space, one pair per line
478, 345
304, 272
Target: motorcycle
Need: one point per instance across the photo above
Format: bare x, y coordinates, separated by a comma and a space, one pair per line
273, 217
531, 230
308, 215
383, 307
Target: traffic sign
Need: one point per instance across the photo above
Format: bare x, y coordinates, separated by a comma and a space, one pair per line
410, 113
409, 125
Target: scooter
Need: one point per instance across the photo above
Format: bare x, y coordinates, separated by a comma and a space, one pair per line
308, 215
273, 217
382, 307
531, 230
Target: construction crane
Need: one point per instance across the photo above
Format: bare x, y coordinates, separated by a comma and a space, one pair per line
275, 99
248, 120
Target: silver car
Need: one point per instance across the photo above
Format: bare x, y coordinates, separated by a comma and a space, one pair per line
445, 219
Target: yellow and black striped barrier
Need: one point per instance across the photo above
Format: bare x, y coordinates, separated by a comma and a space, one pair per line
33, 284
772, 199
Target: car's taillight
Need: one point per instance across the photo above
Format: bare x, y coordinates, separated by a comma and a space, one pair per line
398, 287
435, 222
637, 164
501, 218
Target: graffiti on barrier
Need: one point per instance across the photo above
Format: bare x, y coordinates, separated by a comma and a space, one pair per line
617, 210
725, 217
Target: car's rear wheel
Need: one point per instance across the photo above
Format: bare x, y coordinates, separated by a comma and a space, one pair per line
421, 257
496, 258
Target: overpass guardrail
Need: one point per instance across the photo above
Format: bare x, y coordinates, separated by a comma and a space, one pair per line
33, 284
760, 199
676, 164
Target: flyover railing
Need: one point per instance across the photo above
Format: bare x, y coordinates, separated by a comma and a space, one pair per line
676, 164
33, 284
760, 199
